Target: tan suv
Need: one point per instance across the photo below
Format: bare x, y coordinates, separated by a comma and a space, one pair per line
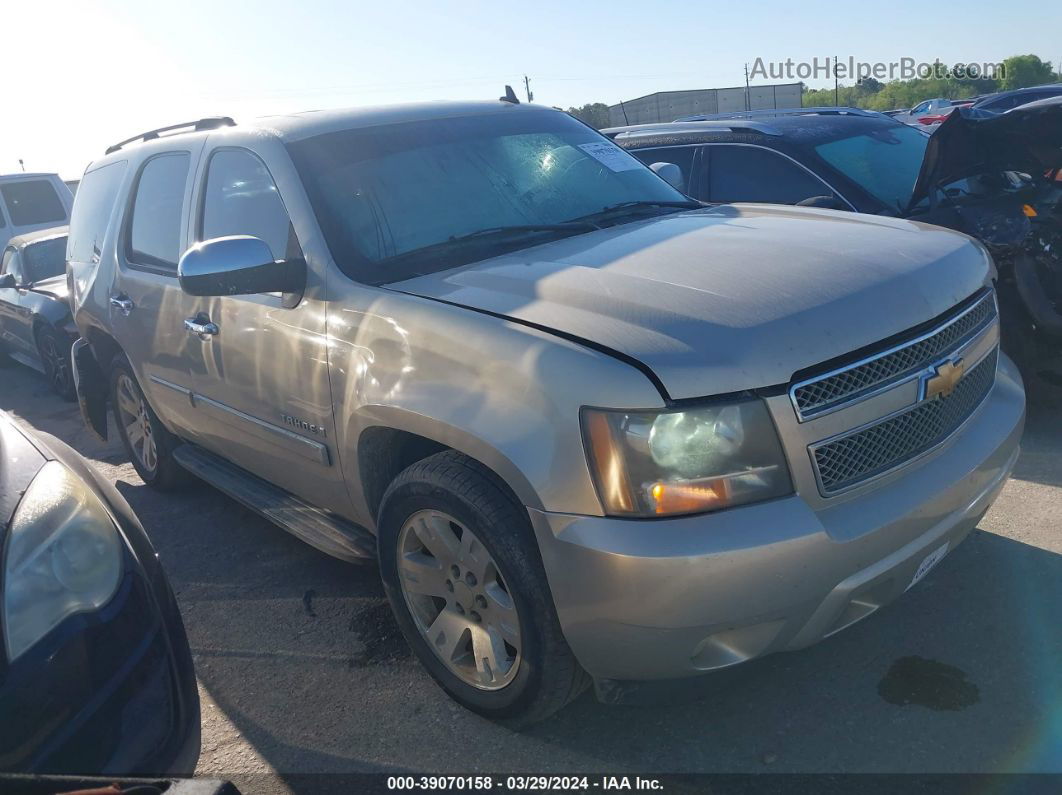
592, 428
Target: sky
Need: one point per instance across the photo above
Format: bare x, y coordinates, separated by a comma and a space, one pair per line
82, 75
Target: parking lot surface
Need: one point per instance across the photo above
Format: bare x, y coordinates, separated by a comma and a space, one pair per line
302, 669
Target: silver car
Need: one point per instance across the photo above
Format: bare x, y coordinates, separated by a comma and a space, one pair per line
590, 428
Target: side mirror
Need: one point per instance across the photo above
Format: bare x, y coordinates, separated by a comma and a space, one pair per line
238, 265
7, 281
671, 174
823, 203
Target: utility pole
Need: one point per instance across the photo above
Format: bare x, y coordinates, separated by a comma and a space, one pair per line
836, 85
527, 88
748, 104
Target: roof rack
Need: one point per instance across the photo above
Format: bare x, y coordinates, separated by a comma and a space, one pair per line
209, 123
752, 114
695, 126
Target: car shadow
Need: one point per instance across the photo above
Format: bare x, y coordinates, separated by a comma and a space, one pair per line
304, 672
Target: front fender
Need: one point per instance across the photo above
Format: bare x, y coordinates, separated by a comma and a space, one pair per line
500, 392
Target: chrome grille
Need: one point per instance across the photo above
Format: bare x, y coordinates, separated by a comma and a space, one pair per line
830, 391
872, 451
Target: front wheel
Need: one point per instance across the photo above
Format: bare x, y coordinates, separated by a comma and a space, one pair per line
465, 580
147, 442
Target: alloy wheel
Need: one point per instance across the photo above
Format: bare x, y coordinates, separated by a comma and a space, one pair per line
136, 422
55, 365
459, 600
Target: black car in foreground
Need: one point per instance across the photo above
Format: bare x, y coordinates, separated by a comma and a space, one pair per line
35, 324
96, 675
995, 177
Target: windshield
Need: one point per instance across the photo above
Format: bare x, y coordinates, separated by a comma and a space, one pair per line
45, 259
885, 163
390, 198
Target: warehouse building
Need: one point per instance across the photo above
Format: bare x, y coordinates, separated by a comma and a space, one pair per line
670, 105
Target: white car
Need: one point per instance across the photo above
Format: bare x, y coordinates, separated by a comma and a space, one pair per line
29, 202
930, 107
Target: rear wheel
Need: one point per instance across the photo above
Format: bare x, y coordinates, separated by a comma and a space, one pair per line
462, 571
147, 443
55, 356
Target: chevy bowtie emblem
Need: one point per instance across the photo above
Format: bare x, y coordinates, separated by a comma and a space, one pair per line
944, 379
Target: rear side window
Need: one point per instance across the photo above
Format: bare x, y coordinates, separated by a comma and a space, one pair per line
93, 205
242, 199
155, 228
752, 174
33, 202
681, 156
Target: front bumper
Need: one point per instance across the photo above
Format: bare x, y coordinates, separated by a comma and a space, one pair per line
655, 599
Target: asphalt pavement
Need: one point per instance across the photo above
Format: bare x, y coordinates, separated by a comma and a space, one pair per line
302, 669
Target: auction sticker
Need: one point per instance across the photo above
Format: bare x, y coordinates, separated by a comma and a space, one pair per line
931, 560
611, 156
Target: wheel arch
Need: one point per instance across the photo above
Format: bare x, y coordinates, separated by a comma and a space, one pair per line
398, 439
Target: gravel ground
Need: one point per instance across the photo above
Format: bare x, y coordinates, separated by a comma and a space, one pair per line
302, 670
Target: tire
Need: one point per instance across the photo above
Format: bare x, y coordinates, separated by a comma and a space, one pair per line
456, 492
159, 470
54, 352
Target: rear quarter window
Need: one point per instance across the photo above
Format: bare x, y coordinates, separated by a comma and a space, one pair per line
32, 202
93, 207
155, 228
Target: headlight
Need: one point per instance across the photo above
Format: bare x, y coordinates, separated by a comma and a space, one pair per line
64, 556
671, 462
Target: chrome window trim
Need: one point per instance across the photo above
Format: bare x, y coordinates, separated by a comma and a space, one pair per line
995, 349
898, 380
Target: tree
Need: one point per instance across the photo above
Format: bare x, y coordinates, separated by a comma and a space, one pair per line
868, 85
1020, 71
593, 113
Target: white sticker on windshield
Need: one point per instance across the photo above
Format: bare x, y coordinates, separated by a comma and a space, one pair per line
610, 156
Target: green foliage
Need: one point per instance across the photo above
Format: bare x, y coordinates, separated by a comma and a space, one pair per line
1020, 71
593, 113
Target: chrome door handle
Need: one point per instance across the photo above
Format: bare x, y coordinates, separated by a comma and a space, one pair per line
122, 304
201, 326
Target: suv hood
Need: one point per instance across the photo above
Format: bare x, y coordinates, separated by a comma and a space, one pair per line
727, 298
971, 141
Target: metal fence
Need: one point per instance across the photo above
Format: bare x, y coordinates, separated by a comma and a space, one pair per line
670, 105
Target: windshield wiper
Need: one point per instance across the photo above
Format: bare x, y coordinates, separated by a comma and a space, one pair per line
516, 231
631, 207
504, 236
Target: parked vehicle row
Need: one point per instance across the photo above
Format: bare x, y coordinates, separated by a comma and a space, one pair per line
591, 429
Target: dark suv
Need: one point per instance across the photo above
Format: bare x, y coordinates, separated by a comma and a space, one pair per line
1006, 100
850, 160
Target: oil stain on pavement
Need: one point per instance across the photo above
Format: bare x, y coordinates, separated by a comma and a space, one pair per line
380, 636
928, 683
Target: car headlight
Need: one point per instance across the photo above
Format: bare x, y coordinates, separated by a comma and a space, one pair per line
63, 556
669, 462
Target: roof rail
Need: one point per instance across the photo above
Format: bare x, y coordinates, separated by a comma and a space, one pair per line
696, 126
208, 123
752, 114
